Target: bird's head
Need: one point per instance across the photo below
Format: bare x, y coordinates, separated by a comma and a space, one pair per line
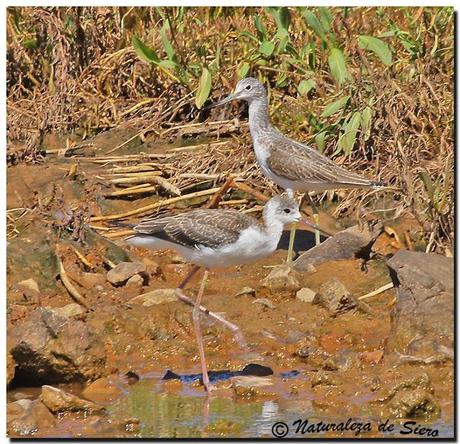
248, 89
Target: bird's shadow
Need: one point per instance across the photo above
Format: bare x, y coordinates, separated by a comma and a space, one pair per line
304, 240
222, 375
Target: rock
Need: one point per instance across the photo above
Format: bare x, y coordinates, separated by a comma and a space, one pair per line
371, 357
26, 417
50, 348
282, 278
305, 295
334, 296
246, 291
68, 310
10, 368
90, 280
25, 292
264, 301
353, 242
152, 267
417, 403
422, 321
135, 281
252, 386
322, 378
29, 284
123, 271
57, 401
102, 391
155, 297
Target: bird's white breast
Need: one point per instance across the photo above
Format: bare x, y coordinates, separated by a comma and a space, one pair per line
252, 244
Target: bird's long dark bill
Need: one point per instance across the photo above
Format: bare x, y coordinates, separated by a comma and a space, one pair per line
305, 221
222, 102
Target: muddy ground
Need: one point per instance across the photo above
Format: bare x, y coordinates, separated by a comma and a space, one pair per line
113, 350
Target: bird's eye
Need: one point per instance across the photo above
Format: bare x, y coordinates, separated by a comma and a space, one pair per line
248, 87
287, 210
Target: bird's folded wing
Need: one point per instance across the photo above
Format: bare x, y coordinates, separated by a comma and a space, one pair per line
299, 162
209, 228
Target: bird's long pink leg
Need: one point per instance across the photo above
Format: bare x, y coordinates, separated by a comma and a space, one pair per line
197, 327
183, 297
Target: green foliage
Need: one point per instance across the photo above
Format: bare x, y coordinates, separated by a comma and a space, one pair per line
348, 137
143, 51
378, 47
204, 88
338, 66
335, 106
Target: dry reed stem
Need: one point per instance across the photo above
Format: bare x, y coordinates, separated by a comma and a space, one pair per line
69, 286
155, 205
378, 291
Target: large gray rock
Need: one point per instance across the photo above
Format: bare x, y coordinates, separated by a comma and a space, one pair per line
354, 242
423, 317
50, 348
123, 271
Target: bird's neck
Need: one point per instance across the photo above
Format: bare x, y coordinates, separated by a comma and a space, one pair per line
273, 228
258, 115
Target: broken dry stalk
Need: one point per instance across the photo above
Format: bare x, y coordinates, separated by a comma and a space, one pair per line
68, 285
378, 291
83, 259
155, 205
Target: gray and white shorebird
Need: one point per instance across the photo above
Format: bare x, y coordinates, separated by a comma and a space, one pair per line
292, 165
212, 238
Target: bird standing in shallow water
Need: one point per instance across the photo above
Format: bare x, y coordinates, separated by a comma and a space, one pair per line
217, 238
292, 165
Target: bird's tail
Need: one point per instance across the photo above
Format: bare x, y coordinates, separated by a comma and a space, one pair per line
378, 184
119, 224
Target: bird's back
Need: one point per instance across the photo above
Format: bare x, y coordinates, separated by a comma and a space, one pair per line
299, 167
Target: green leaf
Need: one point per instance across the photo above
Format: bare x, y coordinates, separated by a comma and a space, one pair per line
282, 44
366, 117
168, 64
249, 35
243, 70
348, 138
378, 47
261, 31
143, 51
334, 107
30, 43
204, 88
168, 47
282, 18
305, 86
315, 24
320, 140
338, 65
428, 183
267, 48
325, 18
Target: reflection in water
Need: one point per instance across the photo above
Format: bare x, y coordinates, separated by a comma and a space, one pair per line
163, 414
190, 413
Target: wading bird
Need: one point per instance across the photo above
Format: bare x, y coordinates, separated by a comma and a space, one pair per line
212, 238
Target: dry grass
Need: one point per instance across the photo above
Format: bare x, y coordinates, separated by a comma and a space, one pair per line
75, 70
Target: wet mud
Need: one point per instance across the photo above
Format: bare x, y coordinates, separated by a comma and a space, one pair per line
325, 367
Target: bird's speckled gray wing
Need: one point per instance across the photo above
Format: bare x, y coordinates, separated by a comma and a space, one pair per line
210, 228
295, 161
